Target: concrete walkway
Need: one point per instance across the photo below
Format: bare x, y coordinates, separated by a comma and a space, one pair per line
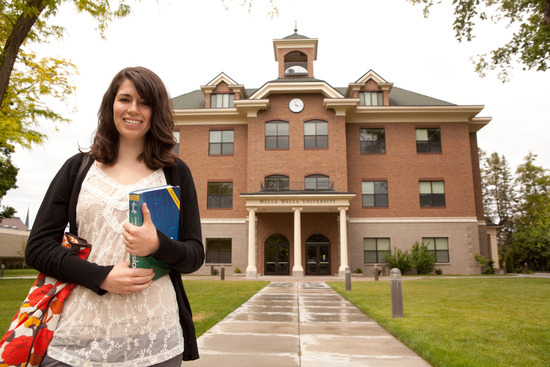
304, 324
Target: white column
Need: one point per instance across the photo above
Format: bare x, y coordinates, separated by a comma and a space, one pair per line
251, 269
297, 269
493, 244
343, 242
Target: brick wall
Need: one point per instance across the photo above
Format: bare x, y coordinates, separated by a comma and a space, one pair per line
402, 167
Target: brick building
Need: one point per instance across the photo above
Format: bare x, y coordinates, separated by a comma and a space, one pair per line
301, 178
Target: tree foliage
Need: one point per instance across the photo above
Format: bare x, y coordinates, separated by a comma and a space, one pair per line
28, 81
531, 238
273, 11
498, 195
8, 172
524, 217
529, 44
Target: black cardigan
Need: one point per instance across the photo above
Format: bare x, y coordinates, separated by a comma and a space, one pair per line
58, 208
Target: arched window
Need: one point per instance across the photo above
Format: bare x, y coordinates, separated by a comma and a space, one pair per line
276, 183
296, 63
276, 135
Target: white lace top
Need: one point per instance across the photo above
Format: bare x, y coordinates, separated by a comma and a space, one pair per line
138, 329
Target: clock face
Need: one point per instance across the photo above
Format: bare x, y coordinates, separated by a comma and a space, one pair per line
296, 105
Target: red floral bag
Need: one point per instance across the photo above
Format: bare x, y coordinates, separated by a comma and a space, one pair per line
27, 339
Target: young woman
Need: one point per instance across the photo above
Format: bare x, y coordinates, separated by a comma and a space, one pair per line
118, 316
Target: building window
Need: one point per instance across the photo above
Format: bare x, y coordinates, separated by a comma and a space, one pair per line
428, 140
220, 195
176, 148
276, 183
372, 140
439, 246
218, 250
432, 193
376, 250
317, 182
316, 134
222, 100
221, 142
276, 135
371, 99
375, 194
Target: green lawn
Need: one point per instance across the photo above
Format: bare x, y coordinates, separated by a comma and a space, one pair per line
211, 300
450, 322
8, 273
467, 321
12, 294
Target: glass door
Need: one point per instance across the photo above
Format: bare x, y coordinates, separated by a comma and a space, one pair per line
317, 255
277, 255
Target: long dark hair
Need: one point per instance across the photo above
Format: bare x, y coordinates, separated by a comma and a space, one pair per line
159, 140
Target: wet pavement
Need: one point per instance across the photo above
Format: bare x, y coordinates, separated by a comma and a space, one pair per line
304, 324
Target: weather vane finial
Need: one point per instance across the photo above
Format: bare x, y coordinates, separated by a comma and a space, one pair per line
295, 26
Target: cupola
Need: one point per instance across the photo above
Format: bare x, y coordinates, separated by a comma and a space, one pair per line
295, 55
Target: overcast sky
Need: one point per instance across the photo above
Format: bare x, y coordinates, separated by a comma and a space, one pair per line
188, 43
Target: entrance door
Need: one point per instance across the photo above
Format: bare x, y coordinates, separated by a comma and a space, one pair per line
277, 254
317, 255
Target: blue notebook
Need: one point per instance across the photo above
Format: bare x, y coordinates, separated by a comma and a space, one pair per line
164, 204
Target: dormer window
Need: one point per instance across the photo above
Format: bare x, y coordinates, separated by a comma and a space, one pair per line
222, 100
371, 99
296, 63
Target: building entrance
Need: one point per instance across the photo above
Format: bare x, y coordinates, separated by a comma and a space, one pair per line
317, 255
277, 254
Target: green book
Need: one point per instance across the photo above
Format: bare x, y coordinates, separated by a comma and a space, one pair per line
164, 204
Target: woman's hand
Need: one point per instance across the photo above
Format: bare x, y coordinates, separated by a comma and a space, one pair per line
123, 279
141, 241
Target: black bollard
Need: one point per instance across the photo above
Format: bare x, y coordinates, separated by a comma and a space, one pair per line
376, 273
348, 279
222, 272
396, 293
504, 268
2, 270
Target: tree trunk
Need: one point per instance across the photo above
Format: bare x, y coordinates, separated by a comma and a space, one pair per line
547, 12
17, 36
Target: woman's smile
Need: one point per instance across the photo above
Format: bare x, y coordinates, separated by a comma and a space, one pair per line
132, 114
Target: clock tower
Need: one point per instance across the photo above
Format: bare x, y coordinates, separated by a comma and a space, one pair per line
295, 55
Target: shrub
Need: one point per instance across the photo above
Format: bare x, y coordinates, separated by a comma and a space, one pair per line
509, 263
422, 259
400, 260
237, 271
438, 271
359, 271
487, 265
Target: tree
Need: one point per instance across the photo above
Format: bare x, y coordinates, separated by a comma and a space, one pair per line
531, 238
7, 212
26, 80
530, 43
498, 195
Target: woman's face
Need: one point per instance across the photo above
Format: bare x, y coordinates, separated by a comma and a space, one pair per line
132, 115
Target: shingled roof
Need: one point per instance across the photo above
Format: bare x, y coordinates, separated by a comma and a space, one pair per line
398, 97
